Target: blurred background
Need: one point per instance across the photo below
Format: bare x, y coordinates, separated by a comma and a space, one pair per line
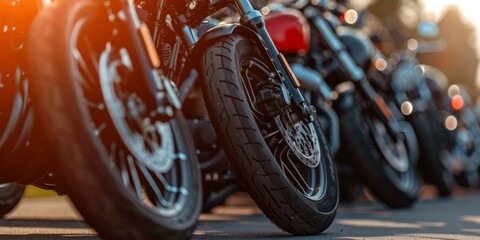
457, 24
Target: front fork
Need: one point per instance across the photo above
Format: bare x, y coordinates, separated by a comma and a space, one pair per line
168, 101
357, 76
253, 19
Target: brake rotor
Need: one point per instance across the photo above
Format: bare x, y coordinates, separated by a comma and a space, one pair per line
150, 141
301, 138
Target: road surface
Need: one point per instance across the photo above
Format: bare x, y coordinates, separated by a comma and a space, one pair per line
457, 218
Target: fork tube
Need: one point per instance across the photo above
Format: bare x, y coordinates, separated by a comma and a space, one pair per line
253, 19
133, 26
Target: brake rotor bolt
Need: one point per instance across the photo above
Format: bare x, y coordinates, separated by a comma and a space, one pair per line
311, 110
169, 111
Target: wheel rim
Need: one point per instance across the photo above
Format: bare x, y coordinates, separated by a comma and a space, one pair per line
153, 146
147, 155
298, 153
394, 152
397, 165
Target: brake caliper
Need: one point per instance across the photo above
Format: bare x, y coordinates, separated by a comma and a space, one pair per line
273, 97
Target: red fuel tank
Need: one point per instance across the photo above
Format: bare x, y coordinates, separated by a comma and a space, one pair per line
289, 31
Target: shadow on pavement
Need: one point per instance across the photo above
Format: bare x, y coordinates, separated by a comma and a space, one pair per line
44, 223
457, 218
49, 236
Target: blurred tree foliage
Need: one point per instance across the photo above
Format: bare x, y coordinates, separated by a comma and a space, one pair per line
459, 61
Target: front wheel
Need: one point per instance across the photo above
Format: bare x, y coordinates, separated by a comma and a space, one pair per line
10, 195
433, 161
131, 173
386, 166
283, 162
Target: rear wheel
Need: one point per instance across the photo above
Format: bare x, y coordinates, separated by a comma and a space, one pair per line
283, 162
433, 162
130, 172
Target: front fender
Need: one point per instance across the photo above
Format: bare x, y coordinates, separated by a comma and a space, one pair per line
222, 31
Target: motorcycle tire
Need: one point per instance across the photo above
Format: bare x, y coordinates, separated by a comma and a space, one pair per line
253, 152
431, 167
10, 195
370, 163
119, 192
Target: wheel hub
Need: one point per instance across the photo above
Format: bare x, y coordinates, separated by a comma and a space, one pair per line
395, 152
149, 140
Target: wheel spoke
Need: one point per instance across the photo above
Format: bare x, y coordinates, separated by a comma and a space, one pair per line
165, 183
123, 169
137, 185
152, 185
87, 78
296, 175
93, 105
92, 53
282, 153
98, 131
111, 155
271, 134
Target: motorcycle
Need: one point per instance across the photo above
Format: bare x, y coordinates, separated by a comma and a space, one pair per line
465, 153
447, 152
234, 75
461, 131
23, 159
458, 123
374, 137
406, 82
121, 143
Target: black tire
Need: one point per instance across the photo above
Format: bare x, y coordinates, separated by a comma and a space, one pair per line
10, 195
240, 132
431, 148
466, 150
370, 164
111, 202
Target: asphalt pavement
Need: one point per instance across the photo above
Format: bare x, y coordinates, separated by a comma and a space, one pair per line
456, 218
